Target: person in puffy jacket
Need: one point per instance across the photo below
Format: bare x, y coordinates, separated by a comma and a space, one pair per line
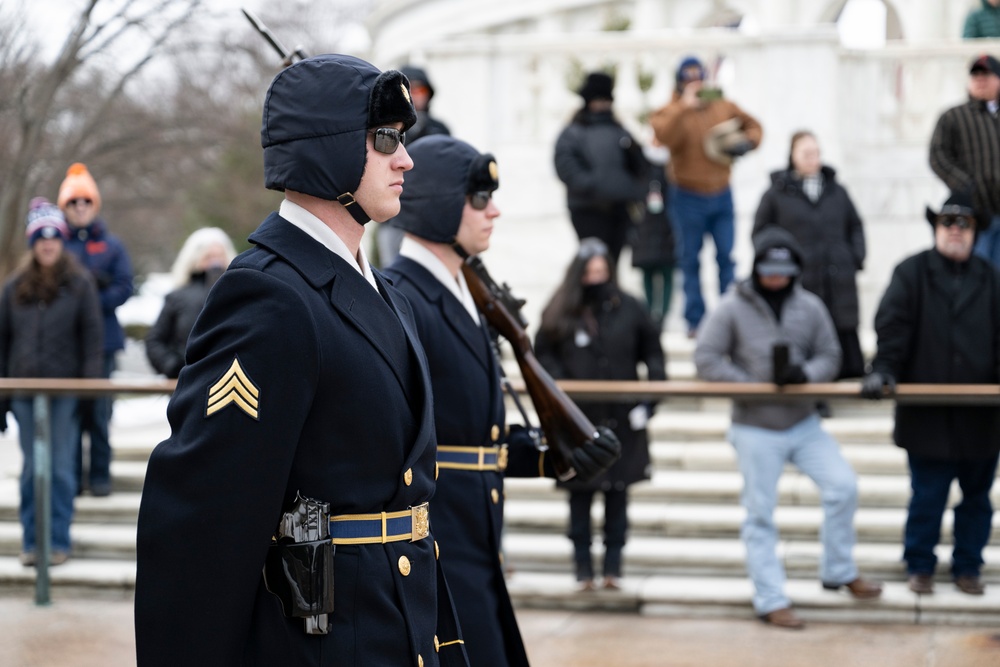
50, 327
602, 166
769, 329
806, 199
202, 259
104, 255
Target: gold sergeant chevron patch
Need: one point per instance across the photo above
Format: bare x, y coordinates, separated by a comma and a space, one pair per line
235, 387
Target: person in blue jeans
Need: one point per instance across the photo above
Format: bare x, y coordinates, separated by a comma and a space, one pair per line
939, 323
705, 133
770, 329
50, 327
104, 255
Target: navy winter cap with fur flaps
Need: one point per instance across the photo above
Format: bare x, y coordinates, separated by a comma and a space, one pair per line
445, 171
315, 122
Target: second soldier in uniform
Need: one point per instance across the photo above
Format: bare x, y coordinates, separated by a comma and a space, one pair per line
448, 213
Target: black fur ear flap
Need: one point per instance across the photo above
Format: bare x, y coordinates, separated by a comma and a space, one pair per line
390, 101
483, 174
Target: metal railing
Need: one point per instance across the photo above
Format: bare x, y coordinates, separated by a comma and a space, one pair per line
43, 389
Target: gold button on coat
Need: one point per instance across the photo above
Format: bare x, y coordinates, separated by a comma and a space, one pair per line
408, 476
404, 566
495, 432
495, 495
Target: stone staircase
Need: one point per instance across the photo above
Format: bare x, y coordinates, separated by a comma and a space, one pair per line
684, 556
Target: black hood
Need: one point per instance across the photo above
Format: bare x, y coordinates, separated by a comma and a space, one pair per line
316, 118
445, 170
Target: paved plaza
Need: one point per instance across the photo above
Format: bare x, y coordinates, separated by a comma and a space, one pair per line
97, 632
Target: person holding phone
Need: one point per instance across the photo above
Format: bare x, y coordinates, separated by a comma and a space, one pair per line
705, 133
769, 329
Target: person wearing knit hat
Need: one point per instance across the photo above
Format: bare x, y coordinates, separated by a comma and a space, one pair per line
449, 213
50, 327
705, 134
601, 165
104, 255
305, 389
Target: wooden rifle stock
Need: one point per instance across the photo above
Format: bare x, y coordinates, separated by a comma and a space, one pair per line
563, 423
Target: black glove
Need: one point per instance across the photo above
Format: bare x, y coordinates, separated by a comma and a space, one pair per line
872, 384
4, 409
595, 456
739, 148
792, 374
103, 279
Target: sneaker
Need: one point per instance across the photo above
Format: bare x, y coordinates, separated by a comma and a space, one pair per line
27, 558
58, 558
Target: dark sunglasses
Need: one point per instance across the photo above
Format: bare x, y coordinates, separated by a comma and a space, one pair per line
960, 221
388, 139
84, 201
480, 200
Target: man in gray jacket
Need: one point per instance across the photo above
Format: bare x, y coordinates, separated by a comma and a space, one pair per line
769, 329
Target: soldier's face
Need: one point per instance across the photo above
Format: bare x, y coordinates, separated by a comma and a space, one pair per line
382, 182
476, 227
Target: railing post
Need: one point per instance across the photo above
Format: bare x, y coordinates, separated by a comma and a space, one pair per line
43, 497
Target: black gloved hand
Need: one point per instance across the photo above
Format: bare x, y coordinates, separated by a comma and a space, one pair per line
739, 148
4, 409
597, 455
872, 384
792, 374
103, 279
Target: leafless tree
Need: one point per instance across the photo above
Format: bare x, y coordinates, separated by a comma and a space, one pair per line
109, 43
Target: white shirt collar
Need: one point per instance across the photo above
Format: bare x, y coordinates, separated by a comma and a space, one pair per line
425, 258
318, 230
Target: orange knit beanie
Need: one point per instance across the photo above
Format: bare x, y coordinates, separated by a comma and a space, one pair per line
79, 184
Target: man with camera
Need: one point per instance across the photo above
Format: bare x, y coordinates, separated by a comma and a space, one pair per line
704, 133
769, 329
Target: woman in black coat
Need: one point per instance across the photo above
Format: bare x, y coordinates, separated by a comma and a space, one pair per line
807, 200
202, 259
592, 330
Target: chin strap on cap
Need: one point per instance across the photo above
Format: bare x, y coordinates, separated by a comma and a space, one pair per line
348, 201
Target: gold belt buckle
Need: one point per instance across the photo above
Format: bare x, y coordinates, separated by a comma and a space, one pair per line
502, 458
421, 522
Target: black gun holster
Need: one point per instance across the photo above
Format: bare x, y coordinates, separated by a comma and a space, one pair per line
298, 568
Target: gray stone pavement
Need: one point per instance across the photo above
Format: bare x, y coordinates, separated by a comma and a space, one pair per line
97, 631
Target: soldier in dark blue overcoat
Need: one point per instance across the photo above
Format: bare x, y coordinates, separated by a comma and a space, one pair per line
304, 376
448, 214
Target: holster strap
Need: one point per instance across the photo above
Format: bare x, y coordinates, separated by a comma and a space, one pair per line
405, 525
493, 459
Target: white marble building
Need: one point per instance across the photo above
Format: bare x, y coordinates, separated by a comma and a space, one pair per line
869, 77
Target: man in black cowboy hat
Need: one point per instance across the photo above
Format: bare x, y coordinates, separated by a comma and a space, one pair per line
304, 379
448, 214
939, 322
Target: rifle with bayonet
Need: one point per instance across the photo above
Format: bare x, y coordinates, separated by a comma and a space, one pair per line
287, 57
563, 423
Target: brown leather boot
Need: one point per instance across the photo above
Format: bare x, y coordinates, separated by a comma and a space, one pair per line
784, 618
860, 588
921, 584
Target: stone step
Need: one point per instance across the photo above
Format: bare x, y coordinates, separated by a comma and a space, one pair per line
874, 525
645, 555
109, 541
729, 597
725, 487
865, 458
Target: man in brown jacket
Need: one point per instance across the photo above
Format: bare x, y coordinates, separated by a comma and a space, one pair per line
704, 133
